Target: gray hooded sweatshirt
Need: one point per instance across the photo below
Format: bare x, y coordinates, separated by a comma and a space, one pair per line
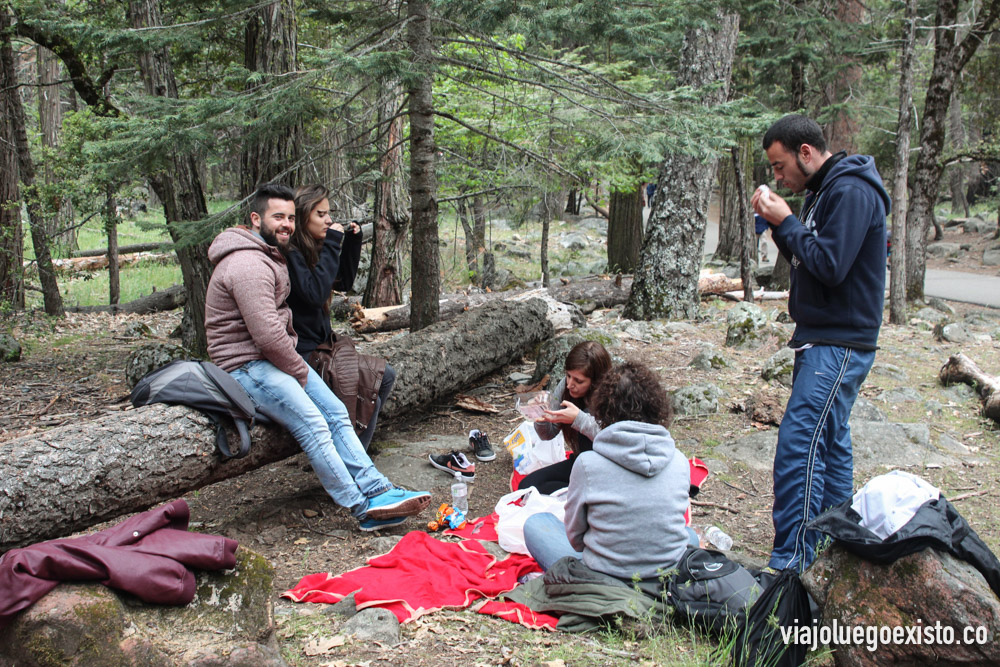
626, 501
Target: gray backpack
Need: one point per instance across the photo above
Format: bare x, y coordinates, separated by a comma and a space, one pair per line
712, 591
206, 387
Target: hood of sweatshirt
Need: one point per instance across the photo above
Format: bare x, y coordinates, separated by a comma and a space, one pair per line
861, 166
644, 449
239, 238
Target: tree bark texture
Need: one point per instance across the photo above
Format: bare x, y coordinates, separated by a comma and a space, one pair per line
960, 368
59, 220
747, 228
425, 277
624, 230
178, 187
11, 237
114, 267
956, 173
666, 280
950, 58
842, 133
897, 262
731, 224
271, 153
51, 296
69, 478
392, 215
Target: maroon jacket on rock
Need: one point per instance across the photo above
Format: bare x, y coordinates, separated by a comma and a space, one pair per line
246, 317
147, 555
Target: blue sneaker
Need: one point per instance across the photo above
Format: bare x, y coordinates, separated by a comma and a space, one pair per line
369, 525
398, 502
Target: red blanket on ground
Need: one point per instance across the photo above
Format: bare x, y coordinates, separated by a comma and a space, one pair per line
420, 575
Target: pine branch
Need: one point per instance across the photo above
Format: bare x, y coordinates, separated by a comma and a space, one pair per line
90, 92
547, 163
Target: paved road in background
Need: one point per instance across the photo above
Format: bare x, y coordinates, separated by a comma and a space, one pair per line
950, 285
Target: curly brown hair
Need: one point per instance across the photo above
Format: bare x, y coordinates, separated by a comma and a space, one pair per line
631, 392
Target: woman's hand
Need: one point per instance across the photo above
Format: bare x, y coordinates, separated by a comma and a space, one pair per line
565, 416
337, 227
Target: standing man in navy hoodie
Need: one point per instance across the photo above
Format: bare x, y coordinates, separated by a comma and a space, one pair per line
836, 248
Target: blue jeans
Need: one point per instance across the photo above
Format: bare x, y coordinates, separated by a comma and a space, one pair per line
813, 463
545, 537
319, 423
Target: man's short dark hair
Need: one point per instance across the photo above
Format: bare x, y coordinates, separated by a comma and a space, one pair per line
266, 192
794, 130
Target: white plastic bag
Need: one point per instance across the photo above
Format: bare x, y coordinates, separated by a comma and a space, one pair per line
530, 453
515, 508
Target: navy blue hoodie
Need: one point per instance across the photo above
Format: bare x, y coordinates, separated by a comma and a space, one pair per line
837, 256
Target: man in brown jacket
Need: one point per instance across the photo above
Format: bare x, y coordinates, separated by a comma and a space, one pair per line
249, 331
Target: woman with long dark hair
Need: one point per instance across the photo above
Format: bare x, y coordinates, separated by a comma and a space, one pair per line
314, 257
569, 413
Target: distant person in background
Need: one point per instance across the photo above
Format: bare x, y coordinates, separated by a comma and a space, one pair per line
650, 191
315, 263
568, 412
760, 226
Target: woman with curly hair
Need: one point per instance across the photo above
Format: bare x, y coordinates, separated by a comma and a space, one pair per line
627, 496
568, 413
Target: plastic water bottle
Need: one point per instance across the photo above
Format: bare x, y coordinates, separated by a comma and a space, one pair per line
718, 539
460, 494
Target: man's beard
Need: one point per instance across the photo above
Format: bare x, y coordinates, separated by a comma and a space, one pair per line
269, 237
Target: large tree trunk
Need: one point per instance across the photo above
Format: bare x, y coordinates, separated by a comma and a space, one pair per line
59, 227
666, 280
732, 224
11, 237
72, 477
747, 228
624, 230
956, 174
841, 134
950, 59
392, 216
271, 49
26, 169
425, 277
178, 187
897, 273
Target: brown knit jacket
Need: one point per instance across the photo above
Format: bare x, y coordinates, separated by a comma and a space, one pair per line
246, 317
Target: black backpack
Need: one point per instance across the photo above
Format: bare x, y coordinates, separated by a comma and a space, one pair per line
711, 590
206, 387
781, 608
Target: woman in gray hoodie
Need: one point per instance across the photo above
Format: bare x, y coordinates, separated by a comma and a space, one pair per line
627, 496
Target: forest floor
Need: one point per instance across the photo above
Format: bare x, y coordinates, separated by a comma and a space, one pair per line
73, 369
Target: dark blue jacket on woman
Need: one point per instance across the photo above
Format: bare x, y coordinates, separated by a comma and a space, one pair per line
311, 288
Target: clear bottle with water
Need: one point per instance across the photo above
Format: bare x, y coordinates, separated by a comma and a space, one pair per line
460, 494
717, 538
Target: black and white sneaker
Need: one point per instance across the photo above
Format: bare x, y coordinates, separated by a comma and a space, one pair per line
481, 445
454, 462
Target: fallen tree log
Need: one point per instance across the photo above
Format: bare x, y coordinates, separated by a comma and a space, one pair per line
959, 368
165, 299
604, 291
59, 481
74, 264
135, 247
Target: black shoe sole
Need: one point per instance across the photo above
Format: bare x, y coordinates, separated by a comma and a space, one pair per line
450, 471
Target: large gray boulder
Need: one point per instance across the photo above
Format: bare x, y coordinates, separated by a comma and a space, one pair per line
943, 249
10, 349
746, 327
779, 367
229, 623
149, 357
931, 591
700, 399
